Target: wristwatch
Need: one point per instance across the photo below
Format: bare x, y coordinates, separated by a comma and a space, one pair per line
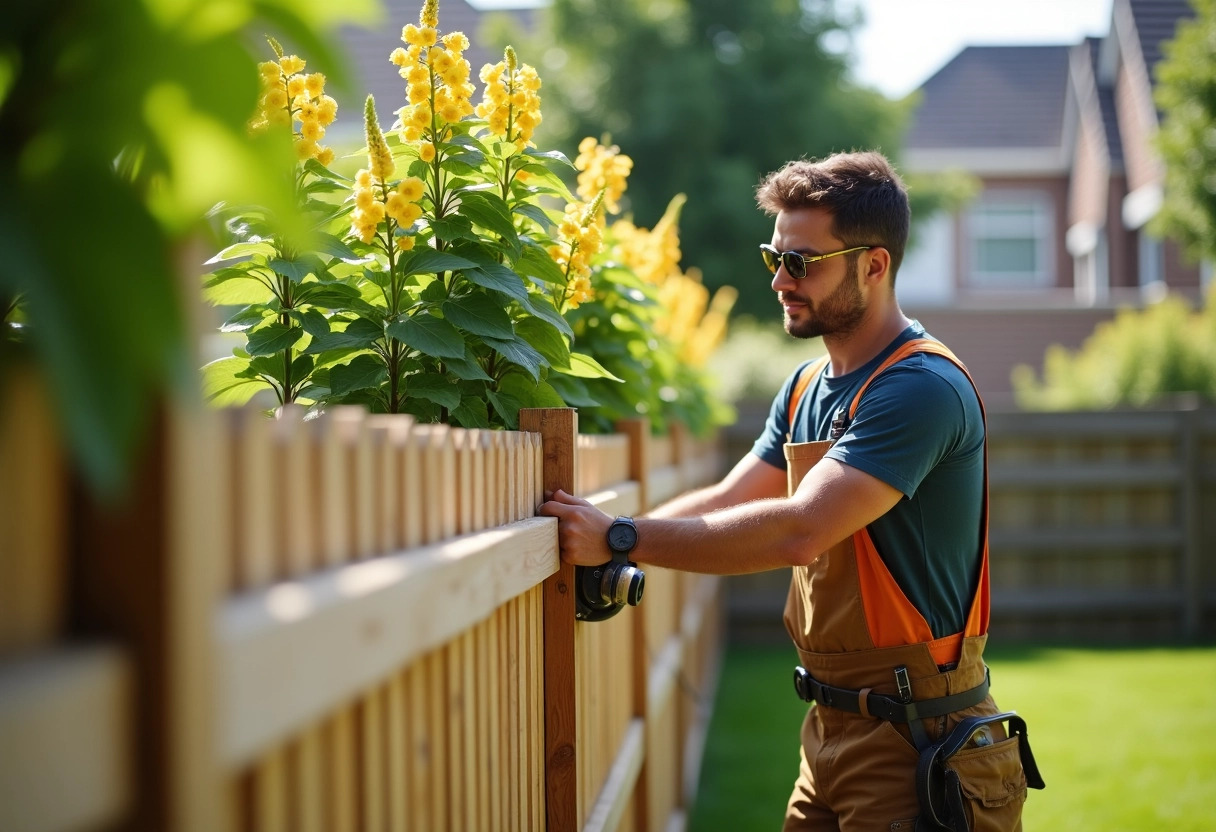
622, 537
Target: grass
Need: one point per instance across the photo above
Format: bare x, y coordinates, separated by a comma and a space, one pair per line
1125, 738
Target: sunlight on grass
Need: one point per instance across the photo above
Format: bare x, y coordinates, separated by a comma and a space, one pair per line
1123, 737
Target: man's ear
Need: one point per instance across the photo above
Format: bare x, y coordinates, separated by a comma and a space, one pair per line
877, 265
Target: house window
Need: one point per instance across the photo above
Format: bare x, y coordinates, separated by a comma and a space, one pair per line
1010, 241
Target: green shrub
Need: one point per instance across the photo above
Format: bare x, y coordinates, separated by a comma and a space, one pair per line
1140, 356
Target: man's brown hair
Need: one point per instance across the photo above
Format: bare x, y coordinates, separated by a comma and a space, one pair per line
865, 196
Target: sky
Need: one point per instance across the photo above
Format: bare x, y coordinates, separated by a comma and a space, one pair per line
903, 42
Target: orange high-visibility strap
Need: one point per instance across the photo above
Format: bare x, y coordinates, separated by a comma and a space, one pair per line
890, 616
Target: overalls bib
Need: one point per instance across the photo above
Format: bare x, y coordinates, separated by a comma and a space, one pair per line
852, 626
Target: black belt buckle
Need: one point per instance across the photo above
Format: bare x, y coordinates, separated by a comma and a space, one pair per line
903, 685
802, 684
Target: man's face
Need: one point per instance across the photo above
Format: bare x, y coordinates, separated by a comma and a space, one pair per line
828, 301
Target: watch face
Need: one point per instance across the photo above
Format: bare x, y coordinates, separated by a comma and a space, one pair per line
622, 537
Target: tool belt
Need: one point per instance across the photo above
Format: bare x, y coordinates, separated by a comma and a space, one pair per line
939, 788
880, 706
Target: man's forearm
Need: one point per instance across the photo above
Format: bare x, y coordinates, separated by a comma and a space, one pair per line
754, 537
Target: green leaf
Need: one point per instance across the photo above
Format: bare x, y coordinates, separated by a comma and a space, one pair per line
543, 308
360, 333
331, 245
327, 295
572, 390
430, 261
550, 157
466, 368
314, 322
490, 212
234, 290
433, 387
273, 338
480, 315
245, 249
319, 170
362, 372
536, 262
295, 270
498, 277
547, 340
519, 352
224, 388
430, 335
472, 413
584, 366
454, 227
535, 212
529, 394
248, 317
506, 406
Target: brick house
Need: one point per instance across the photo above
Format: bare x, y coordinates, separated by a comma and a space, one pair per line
1060, 138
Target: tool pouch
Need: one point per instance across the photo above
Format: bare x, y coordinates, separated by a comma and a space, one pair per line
963, 786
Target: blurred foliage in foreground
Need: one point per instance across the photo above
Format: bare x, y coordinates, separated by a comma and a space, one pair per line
1139, 357
121, 124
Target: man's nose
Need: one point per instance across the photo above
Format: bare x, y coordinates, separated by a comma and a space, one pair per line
782, 282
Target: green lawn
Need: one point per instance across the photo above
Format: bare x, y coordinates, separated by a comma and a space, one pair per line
1125, 738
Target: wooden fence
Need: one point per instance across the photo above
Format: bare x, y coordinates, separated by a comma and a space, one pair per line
347, 623
1103, 528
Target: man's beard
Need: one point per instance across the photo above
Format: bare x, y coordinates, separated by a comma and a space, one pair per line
836, 315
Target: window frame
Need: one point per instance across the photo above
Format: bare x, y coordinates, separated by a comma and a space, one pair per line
1043, 224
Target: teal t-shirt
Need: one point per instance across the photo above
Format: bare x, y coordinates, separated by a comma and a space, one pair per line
919, 428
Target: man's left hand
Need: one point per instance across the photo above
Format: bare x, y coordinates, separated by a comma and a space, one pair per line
582, 529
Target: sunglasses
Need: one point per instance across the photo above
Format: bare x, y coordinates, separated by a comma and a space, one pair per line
795, 263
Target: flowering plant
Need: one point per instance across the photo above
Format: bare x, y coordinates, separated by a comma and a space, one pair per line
439, 282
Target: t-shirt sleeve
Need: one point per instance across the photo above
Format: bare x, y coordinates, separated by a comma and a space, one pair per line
770, 444
909, 420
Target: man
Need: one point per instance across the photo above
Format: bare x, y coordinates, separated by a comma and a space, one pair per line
870, 481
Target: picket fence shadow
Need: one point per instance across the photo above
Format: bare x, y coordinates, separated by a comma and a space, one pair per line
351, 623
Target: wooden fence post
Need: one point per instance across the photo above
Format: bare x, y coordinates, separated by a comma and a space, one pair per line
1192, 530
638, 431
558, 428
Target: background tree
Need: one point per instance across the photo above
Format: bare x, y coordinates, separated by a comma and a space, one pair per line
707, 96
1186, 94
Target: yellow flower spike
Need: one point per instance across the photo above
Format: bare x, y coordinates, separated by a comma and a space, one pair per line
314, 84
398, 57
363, 179
456, 41
429, 16
309, 111
511, 59
295, 86
380, 159
291, 64
411, 34
269, 70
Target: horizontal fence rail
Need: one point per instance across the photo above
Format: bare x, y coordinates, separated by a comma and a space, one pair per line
350, 622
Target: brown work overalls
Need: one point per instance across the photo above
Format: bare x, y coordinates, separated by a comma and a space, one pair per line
853, 626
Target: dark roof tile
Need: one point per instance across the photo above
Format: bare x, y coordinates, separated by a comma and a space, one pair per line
994, 96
